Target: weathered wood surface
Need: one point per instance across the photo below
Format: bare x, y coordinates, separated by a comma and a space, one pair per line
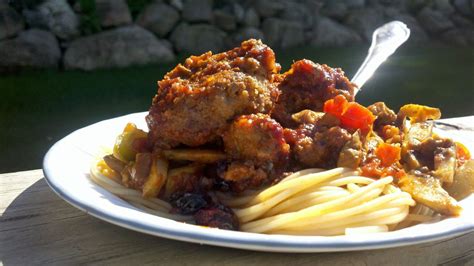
37, 227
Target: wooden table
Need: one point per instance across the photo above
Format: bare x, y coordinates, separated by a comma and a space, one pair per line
37, 227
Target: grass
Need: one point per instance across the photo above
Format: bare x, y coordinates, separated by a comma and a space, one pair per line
40, 107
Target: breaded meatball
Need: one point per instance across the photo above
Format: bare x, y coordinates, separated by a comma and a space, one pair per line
321, 148
196, 100
258, 150
308, 85
241, 175
256, 137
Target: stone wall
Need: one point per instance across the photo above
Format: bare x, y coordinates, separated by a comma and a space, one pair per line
112, 33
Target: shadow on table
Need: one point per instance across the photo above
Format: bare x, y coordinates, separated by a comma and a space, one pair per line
40, 228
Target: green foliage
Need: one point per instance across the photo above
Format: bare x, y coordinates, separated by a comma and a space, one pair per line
136, 6
89, 19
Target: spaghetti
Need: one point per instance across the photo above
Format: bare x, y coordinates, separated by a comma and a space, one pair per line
308, 202
150, 205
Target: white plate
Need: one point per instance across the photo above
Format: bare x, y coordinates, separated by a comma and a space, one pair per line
66, 168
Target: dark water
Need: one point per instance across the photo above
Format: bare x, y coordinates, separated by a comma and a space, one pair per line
39, 108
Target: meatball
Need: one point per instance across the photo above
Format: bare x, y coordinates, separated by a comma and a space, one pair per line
256, 137
241, 175
257, 146
196, 100
321, 148
308, 85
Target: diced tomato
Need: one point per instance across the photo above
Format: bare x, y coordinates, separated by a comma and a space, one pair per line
388, 154
375, 169
462, 153
351, 114
357, 116
371, 169
336, 106
385, 162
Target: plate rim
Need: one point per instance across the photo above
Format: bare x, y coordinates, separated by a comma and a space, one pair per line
310, 243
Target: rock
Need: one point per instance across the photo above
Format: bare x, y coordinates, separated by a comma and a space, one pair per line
365, 21
391, 12
299, 13
120, 47
167, 44
251, 18
10, 22
417, 34
434, 21
250, 33
225, 20
158, 18
238, 11
335, 9
197, 10
414, 6
64, 45
398, 4
328, 32
56, 16
461, 21
354, 3
459, 37
32, 48
281, 33
244, 34
198, 38
269, 8
178, 4
77, 7
443, 6
463, 6
113, 12
314, 6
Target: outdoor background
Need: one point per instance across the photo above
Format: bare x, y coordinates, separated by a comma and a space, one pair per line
67, 64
